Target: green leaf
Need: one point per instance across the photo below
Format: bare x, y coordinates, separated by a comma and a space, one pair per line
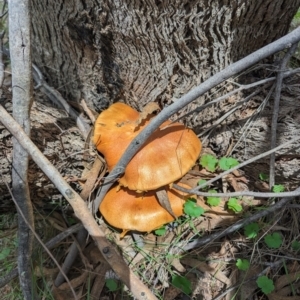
161, 231
182, 283
209, 162
4, 253
243, 264
265, 284
251, 230
234, 205
278, 188
273, 240
201, 181
263, 177
111, 284
192, 209
295, 245
213, 201
226, 163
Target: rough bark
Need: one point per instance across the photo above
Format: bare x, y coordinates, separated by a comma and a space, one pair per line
141, 51
20, 52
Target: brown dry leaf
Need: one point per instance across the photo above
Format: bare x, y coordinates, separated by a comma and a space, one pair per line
238, 183
286, 279
274, 296
233, 278
91, 179
99, 281
163, 200
247, 290
76, 282
171, 293
177, 265
147, 110
61, 295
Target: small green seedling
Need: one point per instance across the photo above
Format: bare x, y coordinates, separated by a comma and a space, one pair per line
251, 230
263, 177
265, 284
192, 209
201, 181
209, 162
161, 231
213, 201
273, 240
243, 264
234, 205
226, 163
182, 283
111, 284
296, 246
278, 188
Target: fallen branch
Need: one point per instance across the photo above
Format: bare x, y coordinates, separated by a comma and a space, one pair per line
20, 53
238, 225
167, 112
275, 114
241, 87
111, 255
247, 162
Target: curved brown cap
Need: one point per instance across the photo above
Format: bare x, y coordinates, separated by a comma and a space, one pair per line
168, 154
128, 210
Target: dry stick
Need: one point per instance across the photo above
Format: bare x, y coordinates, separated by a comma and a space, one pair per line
20, 53
244, 193
111, 255
50, 244
241, 88
167, 112
79, 241
1, 58
279, 80
203, 241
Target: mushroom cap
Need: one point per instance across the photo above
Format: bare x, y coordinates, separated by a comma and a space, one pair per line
127, 210
167, 155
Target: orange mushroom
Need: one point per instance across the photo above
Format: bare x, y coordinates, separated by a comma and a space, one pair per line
124, 209
167, 155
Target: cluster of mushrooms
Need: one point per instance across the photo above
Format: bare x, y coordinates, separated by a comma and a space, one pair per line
169, 153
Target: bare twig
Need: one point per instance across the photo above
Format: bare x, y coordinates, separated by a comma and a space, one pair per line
167, 112
72, 254
110, 254
20, 54
50, 244
240, 88
247, 162
238, 225
279, 80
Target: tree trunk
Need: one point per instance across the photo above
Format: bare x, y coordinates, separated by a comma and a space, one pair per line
142, 51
